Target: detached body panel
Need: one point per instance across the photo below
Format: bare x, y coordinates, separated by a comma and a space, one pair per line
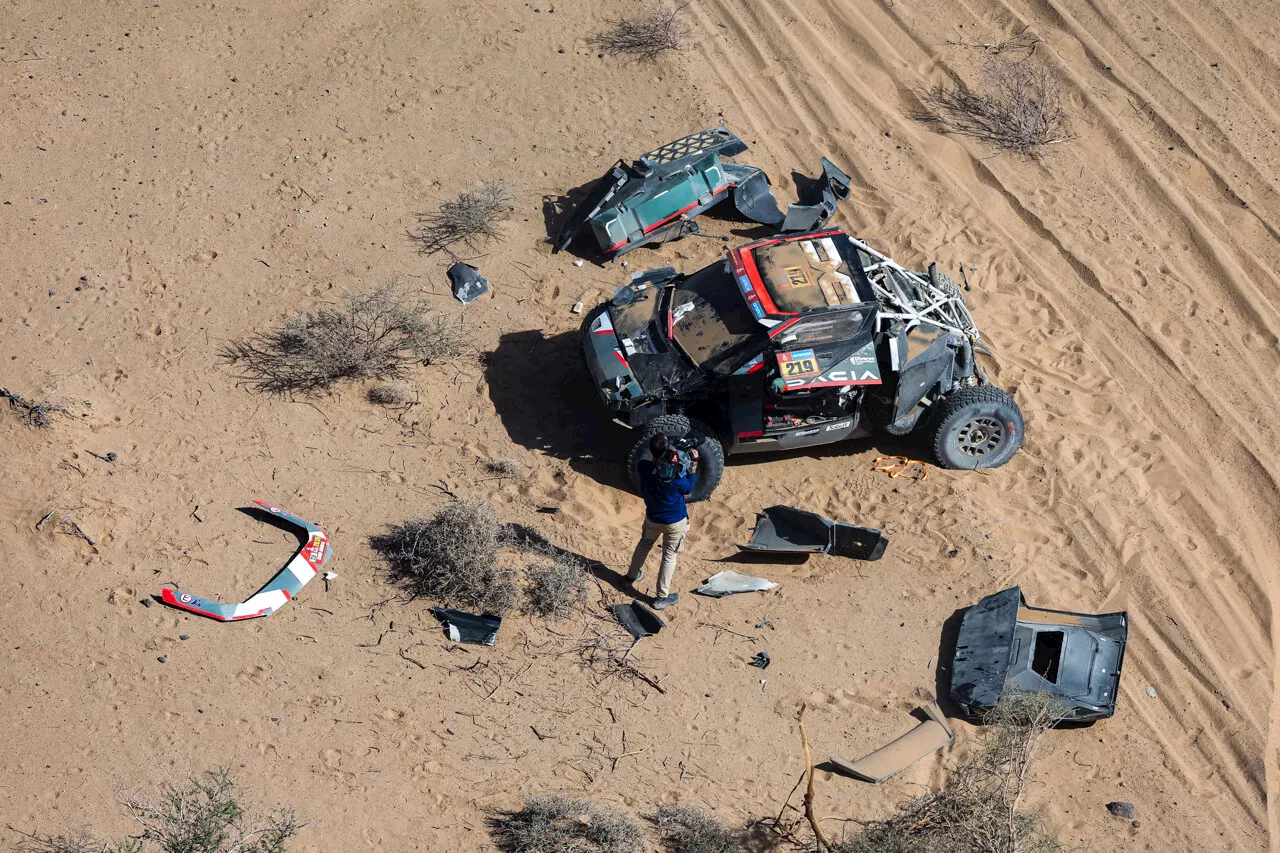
786, 530
890, 759
1074, 657
288, 582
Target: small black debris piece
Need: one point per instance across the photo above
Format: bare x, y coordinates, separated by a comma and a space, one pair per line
787, 530
468, 627
1122, 809
761, 660
468, 284
639, 620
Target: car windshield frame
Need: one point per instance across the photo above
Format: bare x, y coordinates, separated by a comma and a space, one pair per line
724, 312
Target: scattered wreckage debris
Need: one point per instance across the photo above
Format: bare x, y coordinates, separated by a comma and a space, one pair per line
1074, 658
730, 583
468, 284
926, 738
655, 198
639, 620
901, 466
786, 530
465, 627
761, 660
287, 583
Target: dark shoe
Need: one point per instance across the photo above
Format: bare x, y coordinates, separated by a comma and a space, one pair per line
666, 601
635, 580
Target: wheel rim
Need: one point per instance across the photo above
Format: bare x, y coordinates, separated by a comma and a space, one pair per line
980, 436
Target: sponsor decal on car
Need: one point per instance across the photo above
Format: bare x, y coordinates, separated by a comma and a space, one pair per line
841, 425
757, 309
744, 283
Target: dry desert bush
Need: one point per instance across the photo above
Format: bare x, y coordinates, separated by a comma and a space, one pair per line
557, 584
557, 824
372, 336
452, 557
39, 415
200, 814
686, 829
977, 809
1019, 107
394, 393
507, 466
474, 217
654, 31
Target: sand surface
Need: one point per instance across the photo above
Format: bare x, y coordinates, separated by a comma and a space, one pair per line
176, 175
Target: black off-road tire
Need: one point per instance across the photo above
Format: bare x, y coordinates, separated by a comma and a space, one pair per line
977, 427
710, 451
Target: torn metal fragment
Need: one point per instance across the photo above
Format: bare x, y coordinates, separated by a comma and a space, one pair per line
468, 627
787, 530
761, 660
730, 582
928, 737
287, 583
468, 284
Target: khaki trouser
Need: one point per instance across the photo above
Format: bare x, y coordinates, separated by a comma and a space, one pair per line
672, 541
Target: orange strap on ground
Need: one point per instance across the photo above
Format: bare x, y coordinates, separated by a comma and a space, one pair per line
901, 466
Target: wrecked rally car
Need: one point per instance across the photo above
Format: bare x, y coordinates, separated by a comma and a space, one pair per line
1005, 644
794, 342
655, 198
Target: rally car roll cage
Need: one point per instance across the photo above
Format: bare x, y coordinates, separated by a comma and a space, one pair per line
938, 300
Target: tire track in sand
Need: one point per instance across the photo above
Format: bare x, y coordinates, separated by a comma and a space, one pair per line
1203, 630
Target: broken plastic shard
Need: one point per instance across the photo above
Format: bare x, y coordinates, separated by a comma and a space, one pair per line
468, 284
788, 530
761, 660
752, 197
639, 620
927, 737
468, 627
731, 582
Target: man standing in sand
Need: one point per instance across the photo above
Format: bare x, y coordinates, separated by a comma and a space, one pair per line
664, 483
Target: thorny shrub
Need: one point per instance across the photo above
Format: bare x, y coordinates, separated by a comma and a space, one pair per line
372, 336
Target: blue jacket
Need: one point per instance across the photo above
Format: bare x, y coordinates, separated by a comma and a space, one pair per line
664, 502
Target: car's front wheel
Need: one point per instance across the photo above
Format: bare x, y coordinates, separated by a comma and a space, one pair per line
710, 451
977, 427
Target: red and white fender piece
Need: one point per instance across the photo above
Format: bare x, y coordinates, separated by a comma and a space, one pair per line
305, 565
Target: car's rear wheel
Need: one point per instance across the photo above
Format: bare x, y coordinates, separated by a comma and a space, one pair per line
976, 427
710, 451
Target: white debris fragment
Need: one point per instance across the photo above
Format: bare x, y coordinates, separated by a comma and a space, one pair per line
330, 575
578, 262
1151, 691
577, 308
